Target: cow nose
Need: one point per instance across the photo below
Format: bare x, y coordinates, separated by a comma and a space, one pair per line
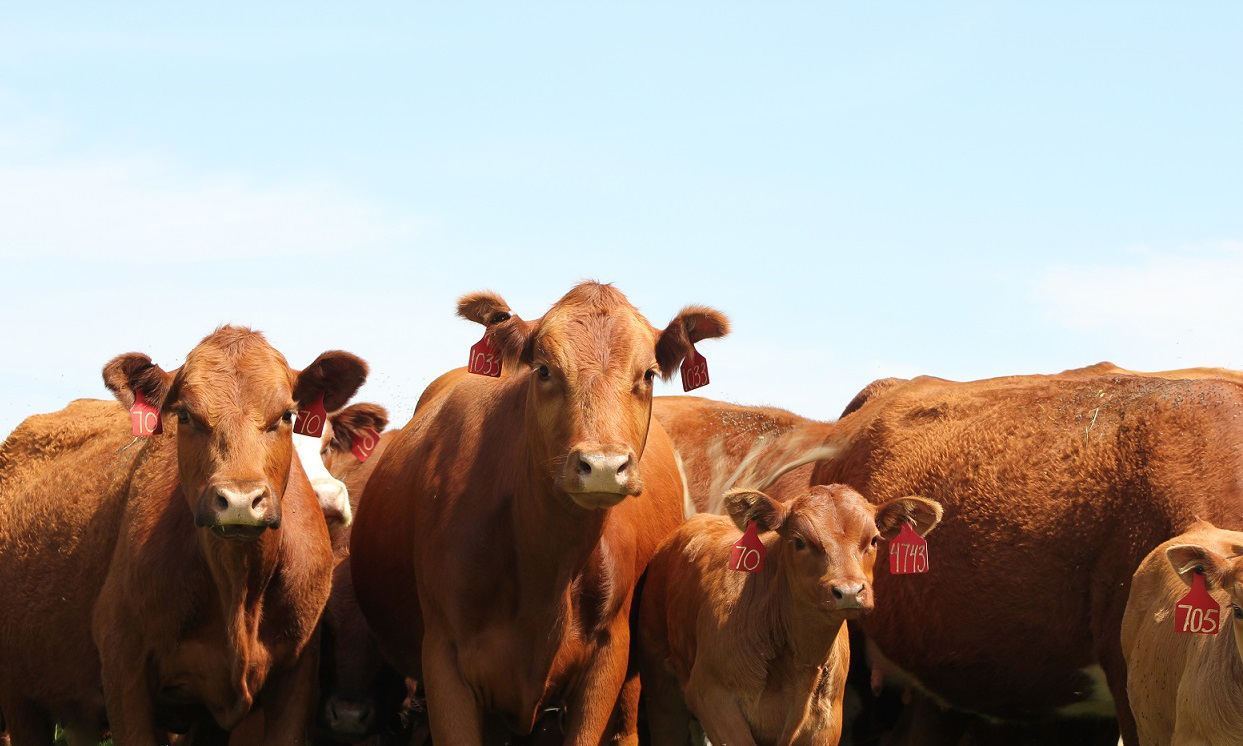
349, 717
334, 499
849, 595
240, 506
601, 471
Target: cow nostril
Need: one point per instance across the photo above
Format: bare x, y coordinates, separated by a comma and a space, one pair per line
837, 593
584, 468
621, 469
222, 503
254, 504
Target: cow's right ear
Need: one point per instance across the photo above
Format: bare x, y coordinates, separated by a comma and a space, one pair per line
349, 422
923, 515
126, 375
745, 505
512, 337
1188, 559
335, 375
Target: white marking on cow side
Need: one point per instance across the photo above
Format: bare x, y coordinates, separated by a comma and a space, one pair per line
688, 505
1100, 701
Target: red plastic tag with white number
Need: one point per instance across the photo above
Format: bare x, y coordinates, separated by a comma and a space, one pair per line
694, 370
1197, 612
362, 444
748, 554
144, 417
311, 420
908, 552
484, 358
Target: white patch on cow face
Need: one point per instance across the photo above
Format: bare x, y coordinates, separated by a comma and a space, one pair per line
334, 498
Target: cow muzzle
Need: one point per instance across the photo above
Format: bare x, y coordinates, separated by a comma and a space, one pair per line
600, 478
851, 595
240, 511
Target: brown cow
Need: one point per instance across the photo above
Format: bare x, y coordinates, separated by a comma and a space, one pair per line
1187, 688
499, 540
207, 540
763, 658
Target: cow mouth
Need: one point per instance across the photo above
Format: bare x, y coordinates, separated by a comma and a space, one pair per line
597, 500
236, 532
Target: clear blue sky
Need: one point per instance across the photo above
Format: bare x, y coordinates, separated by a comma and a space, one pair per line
959, 189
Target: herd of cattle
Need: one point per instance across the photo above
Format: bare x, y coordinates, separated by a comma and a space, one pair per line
547, 554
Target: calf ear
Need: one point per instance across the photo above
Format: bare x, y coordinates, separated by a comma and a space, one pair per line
512, 336
334, 374
923, 515
745, 505
1188, 559
354, 419
691, 325
127, 374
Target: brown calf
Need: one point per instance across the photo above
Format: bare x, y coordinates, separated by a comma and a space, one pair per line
1185, 687
496, 549
207, 540
762, 658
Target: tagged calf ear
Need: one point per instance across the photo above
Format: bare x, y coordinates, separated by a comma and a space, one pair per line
352, 420
745, 505
688, 327
511, 336
923, 515
334, 374
1188, 559
127, 374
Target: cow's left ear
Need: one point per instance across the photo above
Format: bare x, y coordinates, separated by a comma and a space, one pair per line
1188, 559
691, 325
923, 515
512, 336
334, 374
126, 375
745, 505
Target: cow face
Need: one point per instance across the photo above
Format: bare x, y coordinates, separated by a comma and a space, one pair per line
828, 539
336, 447
1222, 566
590, 363
233, 402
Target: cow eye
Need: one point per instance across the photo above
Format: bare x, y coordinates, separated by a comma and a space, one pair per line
876, 540
544, 373
649, 376
799, 544
183, 416
288, 416
1238, 613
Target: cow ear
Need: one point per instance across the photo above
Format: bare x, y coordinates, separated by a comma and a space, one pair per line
127, 374
512, 336
691, 325
352, 420
744, 505
1188, 559
335, 375
923, 515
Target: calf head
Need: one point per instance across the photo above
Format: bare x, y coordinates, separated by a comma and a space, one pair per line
234, 402
590, 362
828, 539
1219, 557
355, 421
326, 458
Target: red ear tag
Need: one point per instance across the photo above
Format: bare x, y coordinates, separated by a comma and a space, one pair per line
694, 370
908, 552
144, 417
310, 421
484, 358
748, 554
364, 443
1197, 612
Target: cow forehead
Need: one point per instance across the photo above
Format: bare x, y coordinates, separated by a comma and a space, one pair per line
248, 375
829, 511
606, 341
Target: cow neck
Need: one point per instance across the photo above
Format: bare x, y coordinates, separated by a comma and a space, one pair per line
787, 626
241, 573
553, 535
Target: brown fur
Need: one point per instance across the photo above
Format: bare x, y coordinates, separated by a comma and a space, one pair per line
479, 565
1186, 688
762, 658
186, 623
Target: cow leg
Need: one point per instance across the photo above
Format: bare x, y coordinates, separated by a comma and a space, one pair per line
667, 717
28, 725
289, 699
626, 712
600, 690
455, 716
721, 719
